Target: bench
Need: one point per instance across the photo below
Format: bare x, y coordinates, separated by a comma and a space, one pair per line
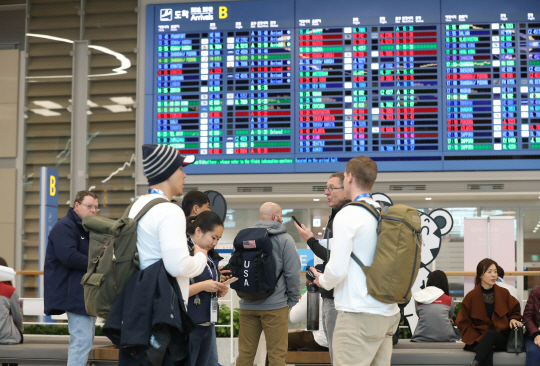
106, 353
45, 350
308, 357
407, 353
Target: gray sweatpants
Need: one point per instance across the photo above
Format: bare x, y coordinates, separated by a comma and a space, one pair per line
329, 321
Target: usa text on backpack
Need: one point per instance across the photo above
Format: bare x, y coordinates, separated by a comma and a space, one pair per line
112, 258
253, 264
396, 262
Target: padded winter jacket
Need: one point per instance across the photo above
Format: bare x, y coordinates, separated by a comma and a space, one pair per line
11, 324
435, 310
66, 261
473, 321
531, 315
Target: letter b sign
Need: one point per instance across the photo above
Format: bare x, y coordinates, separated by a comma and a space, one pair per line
223, 12
52, 186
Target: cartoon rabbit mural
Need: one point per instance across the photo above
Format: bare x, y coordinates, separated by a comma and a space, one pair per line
435, 225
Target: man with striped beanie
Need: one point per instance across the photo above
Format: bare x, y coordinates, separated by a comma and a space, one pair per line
160, 162
161, 232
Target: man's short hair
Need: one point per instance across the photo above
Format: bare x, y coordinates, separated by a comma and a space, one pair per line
338, 175
364, 171
193, 198
79, 197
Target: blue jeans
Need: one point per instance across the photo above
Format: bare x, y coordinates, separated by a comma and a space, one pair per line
533, 353
81, 337
213, 356
200, 341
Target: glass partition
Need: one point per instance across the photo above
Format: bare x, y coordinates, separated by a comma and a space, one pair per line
451, 255
531, 247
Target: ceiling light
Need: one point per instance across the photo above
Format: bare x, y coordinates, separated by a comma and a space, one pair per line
117, 108
319, 233
91, 104
428, 198
316, 199
125, 63
46, 112
123, 100
48, 104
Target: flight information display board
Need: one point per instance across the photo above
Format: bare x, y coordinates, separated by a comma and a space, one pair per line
303, 86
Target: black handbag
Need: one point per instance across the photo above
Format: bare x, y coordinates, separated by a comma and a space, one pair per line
516, 341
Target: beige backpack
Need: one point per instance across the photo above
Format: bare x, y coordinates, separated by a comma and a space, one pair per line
396, 263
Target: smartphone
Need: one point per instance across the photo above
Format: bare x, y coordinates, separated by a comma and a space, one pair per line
310, 272
297, 222
230, 280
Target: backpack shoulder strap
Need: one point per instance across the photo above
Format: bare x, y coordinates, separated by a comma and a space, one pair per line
147, 207
375, 212
357, 260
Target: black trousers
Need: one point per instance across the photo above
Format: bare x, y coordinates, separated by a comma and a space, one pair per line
492, 341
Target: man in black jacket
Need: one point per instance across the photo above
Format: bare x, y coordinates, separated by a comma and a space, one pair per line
66, 261
336, 200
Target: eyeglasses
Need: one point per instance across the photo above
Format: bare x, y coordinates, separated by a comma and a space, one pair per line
331, 189
90, 207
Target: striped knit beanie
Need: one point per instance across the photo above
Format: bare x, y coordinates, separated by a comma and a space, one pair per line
161, 161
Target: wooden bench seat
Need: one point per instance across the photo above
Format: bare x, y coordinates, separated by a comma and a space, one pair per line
308, 357
109, 353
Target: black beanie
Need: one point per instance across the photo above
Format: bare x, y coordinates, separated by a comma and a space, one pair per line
161, 161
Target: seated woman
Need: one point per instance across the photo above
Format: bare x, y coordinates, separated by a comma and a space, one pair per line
435, 309
11, 320
531, 316
487, 314
204, 231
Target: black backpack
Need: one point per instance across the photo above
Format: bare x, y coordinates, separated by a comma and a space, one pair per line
253, 264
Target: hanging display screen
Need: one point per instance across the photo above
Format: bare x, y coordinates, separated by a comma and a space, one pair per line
303, 86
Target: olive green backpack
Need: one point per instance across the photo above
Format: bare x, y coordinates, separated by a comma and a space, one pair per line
396, 263
112, 258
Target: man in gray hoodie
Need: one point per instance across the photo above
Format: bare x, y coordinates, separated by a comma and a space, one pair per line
270, 315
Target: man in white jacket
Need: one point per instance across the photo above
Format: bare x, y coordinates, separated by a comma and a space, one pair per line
161, 233
364, 327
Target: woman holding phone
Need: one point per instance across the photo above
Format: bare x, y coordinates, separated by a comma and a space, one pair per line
204, 231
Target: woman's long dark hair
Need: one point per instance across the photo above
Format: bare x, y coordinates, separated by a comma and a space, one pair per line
4, 263
482, 267
438, 279
206, 221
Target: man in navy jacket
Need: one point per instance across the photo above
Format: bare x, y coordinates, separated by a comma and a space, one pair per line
66, 261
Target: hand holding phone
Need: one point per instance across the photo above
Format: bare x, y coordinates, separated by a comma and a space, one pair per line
304, 232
